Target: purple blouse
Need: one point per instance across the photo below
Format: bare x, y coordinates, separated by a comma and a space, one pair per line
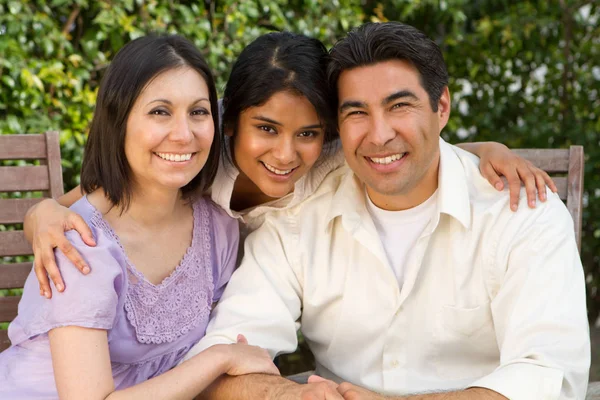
150, 327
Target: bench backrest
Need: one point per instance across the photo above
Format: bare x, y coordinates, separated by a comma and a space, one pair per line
45, 178
566, 168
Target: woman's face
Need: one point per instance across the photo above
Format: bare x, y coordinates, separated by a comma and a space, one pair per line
278, 142
170, 130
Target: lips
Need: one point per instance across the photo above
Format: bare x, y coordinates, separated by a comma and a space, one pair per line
176, 157
387, 159
277, 171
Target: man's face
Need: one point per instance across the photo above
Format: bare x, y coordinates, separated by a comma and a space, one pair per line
390, 133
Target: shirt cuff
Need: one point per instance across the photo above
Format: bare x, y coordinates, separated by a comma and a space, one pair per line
523, 381
204, 344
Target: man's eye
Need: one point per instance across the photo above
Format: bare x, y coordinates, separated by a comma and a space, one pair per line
357, 112
399, 105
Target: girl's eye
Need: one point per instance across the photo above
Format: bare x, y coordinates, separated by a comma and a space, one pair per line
159, 111
200, 111
308, 134
267, 129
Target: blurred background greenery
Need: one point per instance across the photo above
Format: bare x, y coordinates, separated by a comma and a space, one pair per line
525, 73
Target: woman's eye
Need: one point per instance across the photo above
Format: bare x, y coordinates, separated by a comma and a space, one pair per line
159, 111
200, 111
267, 129
308, 134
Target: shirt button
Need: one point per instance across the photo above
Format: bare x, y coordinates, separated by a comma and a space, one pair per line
394, 364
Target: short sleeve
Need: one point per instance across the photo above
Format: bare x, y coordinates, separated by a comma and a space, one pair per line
226, 243
89, 301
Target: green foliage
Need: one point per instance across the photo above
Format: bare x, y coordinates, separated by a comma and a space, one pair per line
525, 73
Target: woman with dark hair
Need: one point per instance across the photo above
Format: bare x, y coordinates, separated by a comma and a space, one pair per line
163, 253
279, 142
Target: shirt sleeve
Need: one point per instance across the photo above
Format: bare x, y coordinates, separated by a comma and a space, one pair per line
226, 233
539, 309
263, 298
89, 301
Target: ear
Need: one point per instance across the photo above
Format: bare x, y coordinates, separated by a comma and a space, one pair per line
443, 111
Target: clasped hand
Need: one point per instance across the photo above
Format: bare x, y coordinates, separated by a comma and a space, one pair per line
323, 389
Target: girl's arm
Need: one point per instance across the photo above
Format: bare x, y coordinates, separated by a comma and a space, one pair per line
498, 160
82, 370
45, 226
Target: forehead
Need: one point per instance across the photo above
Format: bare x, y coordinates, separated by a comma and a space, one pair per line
285, 103
378, 81
176, 82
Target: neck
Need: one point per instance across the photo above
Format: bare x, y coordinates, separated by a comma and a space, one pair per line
153, 207
246, 194
414, 196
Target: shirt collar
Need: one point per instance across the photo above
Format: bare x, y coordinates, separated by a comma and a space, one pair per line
453, 193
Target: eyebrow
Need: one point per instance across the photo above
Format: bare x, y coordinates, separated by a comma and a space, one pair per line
272, 121
169, 102
399, 95
351, 104
392, 97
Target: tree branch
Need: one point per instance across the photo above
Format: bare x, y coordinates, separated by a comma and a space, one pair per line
67, 26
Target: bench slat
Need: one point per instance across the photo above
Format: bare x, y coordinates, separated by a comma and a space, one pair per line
22, 147
13, 243
13, 276
8, 308
550, 160
12, 211
15, 179
4, 342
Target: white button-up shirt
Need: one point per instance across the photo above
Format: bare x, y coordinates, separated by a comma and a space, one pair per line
492, 298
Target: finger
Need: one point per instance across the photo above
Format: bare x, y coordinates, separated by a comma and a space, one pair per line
528, 177
492, 176
242, 339
541, 186
65, 246
549, 182
78, 223
514, 186
42, 278
316, 379
52, 269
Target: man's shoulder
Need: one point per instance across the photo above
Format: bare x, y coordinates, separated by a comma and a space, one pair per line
319, 202
486, 201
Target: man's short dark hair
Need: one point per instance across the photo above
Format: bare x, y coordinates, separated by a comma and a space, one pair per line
132, 69
373, 43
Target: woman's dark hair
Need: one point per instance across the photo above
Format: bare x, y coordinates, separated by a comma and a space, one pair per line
275, 62
132, 69
372, 43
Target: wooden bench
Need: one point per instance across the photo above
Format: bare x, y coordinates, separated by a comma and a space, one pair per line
47, 178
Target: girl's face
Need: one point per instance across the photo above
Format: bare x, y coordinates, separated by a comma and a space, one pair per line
278, 142
170, 130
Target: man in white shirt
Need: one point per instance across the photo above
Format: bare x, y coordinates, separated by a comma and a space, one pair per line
406, 271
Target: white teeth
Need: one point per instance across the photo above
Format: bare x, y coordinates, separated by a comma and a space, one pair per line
277, 171
174, 157
388, 159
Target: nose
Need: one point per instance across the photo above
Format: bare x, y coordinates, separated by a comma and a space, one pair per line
285, 150
380, 131
181, 130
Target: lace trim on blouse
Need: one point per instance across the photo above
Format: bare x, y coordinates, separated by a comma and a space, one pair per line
164, 312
